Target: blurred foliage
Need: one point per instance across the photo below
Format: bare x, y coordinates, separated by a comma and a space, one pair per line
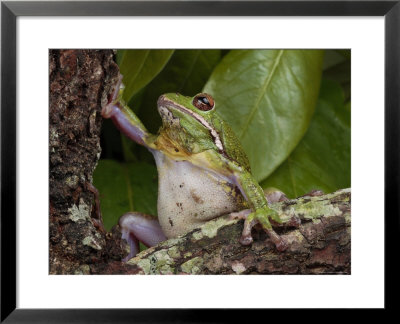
294, 127
125, 187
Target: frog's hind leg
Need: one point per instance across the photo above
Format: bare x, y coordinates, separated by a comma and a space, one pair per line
274, 195
138, 227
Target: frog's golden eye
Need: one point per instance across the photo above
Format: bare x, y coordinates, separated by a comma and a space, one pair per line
203, 101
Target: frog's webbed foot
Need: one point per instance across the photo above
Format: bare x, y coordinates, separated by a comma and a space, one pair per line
138, 227
109, 110
251, 220
124, 118
261, 216
273, 196
265, 217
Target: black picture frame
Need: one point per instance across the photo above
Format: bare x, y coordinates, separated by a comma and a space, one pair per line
390, 10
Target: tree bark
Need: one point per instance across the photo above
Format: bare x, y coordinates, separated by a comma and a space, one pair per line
321, 244
80, 83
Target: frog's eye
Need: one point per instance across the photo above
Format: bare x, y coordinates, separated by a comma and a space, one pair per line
203, 101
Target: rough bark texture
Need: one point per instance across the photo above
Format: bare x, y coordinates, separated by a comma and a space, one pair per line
321, 244
80, 82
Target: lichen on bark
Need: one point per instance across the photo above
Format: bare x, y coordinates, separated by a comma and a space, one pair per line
321, 244
80, 81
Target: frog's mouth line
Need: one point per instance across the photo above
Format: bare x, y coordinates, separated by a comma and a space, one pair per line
164, 103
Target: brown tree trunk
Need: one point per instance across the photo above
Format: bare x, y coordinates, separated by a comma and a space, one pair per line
80, 82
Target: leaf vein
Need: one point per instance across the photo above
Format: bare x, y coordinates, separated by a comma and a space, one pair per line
263, 90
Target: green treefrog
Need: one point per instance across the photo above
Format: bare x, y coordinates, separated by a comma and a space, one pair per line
203, 171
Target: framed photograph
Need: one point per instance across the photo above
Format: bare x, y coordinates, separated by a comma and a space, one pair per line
149, 148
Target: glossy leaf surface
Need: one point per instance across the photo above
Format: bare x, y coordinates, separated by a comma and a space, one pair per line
322, 159
139, 67
268, 97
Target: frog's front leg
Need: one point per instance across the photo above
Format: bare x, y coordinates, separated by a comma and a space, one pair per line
273, 196
124, 118
259, 213
138, 227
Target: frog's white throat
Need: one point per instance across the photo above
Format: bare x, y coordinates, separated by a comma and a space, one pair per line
189, 195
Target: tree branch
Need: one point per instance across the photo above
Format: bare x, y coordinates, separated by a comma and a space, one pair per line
320, 245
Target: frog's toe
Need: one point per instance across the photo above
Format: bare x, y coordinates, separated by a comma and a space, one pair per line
109, 110
240, 215
246, 238
117, 89
280, 244
251, 219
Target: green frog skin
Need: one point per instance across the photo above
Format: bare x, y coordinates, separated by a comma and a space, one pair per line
203, 171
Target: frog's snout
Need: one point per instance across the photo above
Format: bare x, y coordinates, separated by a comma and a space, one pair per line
161, 101
168, 118
167, 100
162, 104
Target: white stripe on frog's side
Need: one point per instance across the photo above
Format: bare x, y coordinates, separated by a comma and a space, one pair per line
201, 120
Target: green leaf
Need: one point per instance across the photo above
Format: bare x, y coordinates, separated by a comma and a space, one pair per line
186, 72
268, 97
125, 187
345, 52
110, 141
341, 73
337, 67
139, 67
322, 159
332, 57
